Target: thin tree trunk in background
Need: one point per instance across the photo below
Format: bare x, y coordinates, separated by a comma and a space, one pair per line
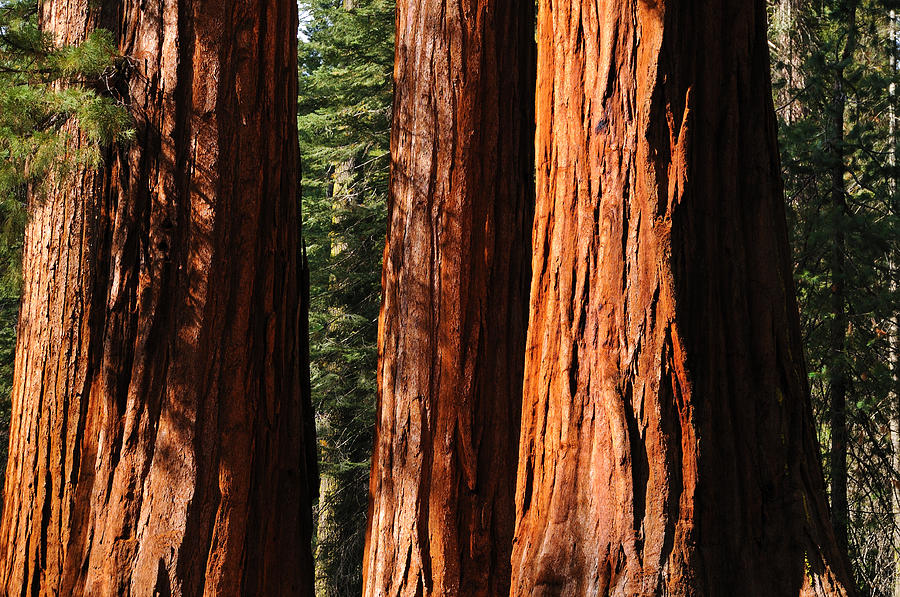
158, 441
327, 525
837, 365
894, 331
838, 329
667, 438
788, 22
454, 313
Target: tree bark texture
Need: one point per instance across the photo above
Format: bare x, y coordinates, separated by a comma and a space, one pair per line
667, 439
454, 313
158, 441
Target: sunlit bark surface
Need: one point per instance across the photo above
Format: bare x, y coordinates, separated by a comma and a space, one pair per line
455, 279
667, 443
158, 444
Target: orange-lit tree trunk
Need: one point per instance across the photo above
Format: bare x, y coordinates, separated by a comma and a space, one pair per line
455, 280
158, 443
667, 442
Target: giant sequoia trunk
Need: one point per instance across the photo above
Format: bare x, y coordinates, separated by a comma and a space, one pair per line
667, 442
158, 443
455, 280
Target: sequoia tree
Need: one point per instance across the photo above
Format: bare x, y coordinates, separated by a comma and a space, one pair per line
158, 440
453, 318
667, 444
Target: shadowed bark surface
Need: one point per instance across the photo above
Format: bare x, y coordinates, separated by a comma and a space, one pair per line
455, 280
667, 442
159, 443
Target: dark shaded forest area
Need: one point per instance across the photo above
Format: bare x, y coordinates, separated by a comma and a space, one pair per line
654, 129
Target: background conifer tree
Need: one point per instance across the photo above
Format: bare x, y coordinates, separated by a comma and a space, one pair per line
346, 60
832, 73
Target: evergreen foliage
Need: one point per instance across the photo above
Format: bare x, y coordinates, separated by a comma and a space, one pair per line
43, 86
346, 60
825, 49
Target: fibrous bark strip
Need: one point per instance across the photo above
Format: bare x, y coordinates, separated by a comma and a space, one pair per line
158, 441
667, 444
455, 280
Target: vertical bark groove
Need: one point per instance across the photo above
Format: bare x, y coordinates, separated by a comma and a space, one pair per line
161, 335
667, 445
455, 280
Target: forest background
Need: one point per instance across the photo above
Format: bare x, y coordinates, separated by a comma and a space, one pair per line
835, 73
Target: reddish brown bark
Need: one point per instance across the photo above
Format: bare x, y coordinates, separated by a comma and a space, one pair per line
667, 443
455, 279
158, 437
